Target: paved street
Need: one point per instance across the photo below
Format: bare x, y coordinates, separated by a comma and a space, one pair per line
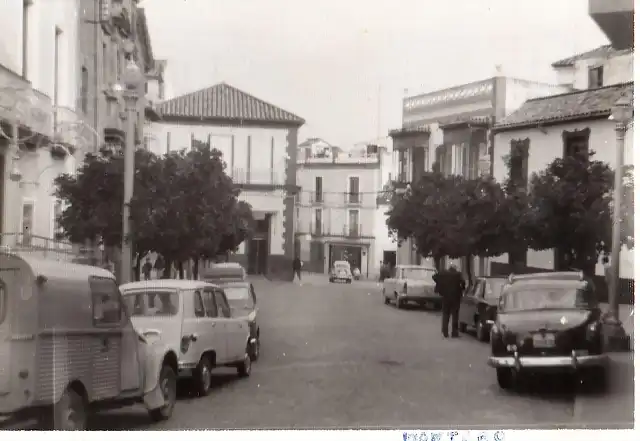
335, 356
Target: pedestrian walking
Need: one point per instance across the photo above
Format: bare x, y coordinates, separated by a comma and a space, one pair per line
297, 269
146, 269
450, 285
158, 266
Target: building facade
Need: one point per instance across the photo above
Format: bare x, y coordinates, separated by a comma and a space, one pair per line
337, 208
258, 142
450, 129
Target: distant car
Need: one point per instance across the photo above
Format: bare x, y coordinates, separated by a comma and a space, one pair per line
194, 319
412, 283
223, 272
479, 305
244, 304
548, 322
341, 271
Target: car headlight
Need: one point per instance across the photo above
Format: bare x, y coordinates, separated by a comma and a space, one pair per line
593, 327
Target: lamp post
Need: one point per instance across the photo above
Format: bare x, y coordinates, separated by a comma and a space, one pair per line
621, 113
132, 80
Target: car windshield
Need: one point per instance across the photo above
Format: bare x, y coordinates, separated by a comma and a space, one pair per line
493, 288
152, 303
526, 299
239, 297
417, 273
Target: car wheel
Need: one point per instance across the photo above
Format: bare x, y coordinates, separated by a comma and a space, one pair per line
244, 367
349, 281
331, 280
399, 302
481, 332
168, 385
462, 327
69, 413
255, 354
202, 376
505, 378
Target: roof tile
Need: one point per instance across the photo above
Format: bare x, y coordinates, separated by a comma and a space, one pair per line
223, 101
567, 106
600, 52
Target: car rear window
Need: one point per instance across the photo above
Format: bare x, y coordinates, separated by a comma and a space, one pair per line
531, 298
152, 303
493, 288
3, 300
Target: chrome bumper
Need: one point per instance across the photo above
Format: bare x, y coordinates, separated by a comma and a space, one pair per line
572, 361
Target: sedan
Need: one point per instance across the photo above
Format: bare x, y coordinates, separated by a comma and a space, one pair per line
479, 305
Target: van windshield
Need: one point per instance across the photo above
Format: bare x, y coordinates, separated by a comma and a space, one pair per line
152, 303
3, 300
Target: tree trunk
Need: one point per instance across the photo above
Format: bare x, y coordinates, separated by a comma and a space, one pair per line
468, 262
196, 267
166, 271
136, 275
181, 270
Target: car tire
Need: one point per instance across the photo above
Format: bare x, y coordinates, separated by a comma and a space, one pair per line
331, 280
504, 377
462, 327
349, 281
202, 376
481, 331
399, 302
69, 413
244, 366
168, 384
255, 353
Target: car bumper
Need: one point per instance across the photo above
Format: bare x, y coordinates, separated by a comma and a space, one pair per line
564, 362
420, 297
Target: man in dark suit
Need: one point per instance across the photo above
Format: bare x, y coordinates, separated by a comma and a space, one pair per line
450, 285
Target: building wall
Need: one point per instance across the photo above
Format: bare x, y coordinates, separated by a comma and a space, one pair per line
543, 149
519, 91
616, 69
381, 233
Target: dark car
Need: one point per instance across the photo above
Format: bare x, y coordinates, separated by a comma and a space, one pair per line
548, 322
243, 302
479, 305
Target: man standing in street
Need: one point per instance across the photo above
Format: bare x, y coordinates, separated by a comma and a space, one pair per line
297, 269
450, 285
146, 269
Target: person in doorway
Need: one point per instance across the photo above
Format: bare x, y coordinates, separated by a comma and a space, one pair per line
450, 285
146, 269
297, 269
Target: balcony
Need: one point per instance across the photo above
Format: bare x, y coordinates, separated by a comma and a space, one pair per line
340, 158
317, 229
615, 19
266, 176
355, 232
40, 246
352, 198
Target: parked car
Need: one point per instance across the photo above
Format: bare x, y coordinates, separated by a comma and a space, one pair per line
479, 305
548, 322
223, 272
411, 283
341, 271
68, 347
194, 319
244, 304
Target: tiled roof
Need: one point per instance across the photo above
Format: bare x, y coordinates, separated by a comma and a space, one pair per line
567, 106
226, 103
600, 52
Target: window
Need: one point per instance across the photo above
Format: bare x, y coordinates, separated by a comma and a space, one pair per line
210, 304
240, 297
152, 303
3, 300
105, 296
26, 11
493, 288
596, 77
404, 165
318, 195
576, 143
354, 189
84, 89
198, 305
318, 225
353, 222
57, 213
28, 209
105, 64
542, 298
221, 302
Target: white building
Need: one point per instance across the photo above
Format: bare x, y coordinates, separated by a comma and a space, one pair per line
338, 215
258, 142
38, 93
554, 126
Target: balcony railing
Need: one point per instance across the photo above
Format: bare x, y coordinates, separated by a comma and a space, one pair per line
257, 176
353, 198
353, 231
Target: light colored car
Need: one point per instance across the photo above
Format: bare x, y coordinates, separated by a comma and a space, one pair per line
223, 272
412, 283
194, 319
67, 347
341, 271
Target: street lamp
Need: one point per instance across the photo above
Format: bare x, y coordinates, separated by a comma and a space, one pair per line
132, 80
622, 114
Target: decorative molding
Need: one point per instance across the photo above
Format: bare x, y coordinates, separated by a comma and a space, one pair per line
467, 91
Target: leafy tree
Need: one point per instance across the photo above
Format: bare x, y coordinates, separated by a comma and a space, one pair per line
570, 209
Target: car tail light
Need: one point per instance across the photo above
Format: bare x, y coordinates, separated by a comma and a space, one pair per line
185, 343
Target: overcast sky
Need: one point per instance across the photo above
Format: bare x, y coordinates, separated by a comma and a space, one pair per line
336, 62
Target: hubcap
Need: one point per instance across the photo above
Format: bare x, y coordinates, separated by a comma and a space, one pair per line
168, 393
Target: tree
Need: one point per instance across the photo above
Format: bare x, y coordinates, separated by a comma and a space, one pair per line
570, 210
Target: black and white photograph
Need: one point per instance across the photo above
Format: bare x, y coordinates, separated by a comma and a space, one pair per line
411, 216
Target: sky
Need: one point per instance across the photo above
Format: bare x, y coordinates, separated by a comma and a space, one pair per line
345, 65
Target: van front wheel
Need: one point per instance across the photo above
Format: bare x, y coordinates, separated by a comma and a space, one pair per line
70, 413
167, 385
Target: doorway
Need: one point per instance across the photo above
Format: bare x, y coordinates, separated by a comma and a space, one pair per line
350, 253
389, 258
258, 247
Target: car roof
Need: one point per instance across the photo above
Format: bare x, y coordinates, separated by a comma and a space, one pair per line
227, 265
166, 284
545, 283
415, 267
55, 269
233, 283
